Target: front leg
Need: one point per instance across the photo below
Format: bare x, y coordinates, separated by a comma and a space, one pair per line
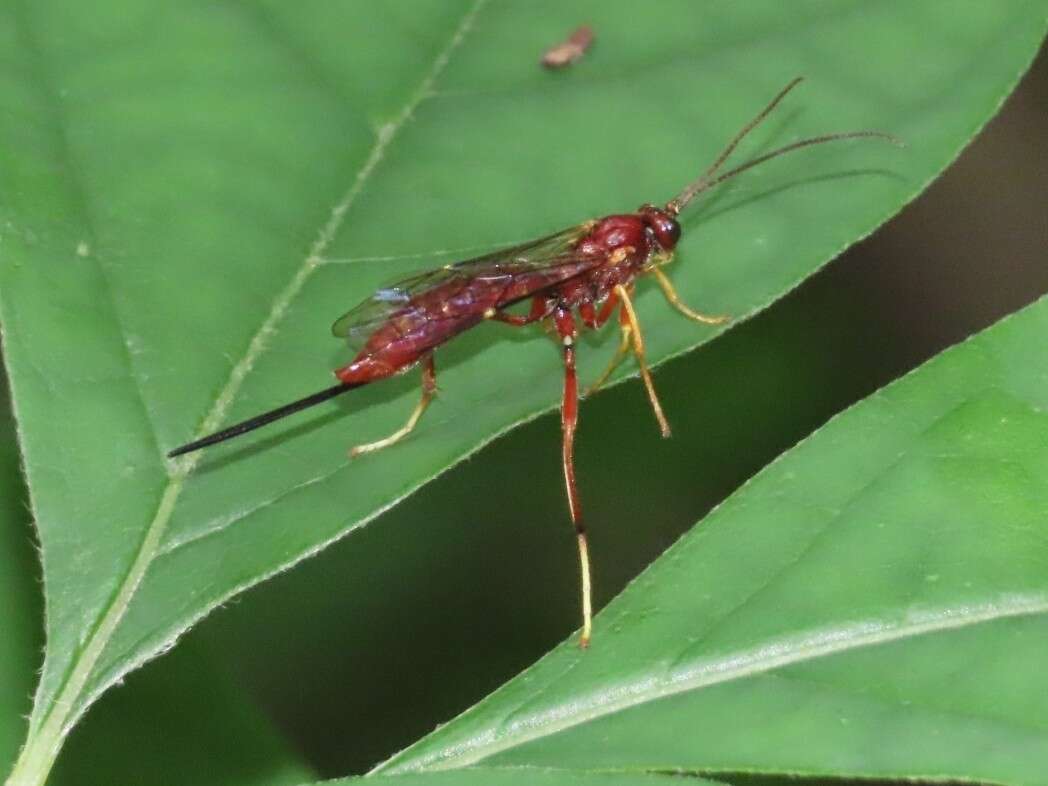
674, 300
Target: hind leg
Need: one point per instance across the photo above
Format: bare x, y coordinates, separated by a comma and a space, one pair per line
569, 418
429, 390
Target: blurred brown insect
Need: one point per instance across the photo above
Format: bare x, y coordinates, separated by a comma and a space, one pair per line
567, 52
589, 269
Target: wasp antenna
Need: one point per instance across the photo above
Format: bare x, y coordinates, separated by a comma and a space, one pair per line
698, 185
261, 420
710, 179
815, 140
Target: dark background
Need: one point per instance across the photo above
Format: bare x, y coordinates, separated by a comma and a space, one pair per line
350, 677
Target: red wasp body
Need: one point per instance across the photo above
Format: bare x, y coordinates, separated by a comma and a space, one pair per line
588, 270
608, 252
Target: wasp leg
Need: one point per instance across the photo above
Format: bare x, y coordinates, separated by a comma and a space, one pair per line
569, 418
638, 352
675, 301
429, 390
597, 319
540, 309
620, 355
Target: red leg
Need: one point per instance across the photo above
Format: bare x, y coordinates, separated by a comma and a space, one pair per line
607, 309
596, 319
569, 417
540, 309
620, 353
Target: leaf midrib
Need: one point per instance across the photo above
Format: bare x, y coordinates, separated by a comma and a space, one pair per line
41, 749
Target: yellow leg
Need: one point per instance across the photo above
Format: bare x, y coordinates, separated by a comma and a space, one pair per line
429, 390
587, 591
675, 301
638, 351
617, 358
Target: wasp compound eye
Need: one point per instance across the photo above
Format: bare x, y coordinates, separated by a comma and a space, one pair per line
667, 232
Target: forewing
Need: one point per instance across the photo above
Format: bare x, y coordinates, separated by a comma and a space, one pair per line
537, 264
387, 302
546, 252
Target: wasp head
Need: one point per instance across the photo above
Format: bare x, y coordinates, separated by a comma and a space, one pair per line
662, 225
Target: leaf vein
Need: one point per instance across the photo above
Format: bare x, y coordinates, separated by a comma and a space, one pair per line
764, 659
41, 749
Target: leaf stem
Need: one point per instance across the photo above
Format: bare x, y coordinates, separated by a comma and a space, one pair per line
41, 749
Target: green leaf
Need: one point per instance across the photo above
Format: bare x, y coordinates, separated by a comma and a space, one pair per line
200, 724
503, 586
192, 194
526, 776
873, 604
20, 593
187, 715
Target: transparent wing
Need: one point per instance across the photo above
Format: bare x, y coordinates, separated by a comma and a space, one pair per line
386, 302
518, 271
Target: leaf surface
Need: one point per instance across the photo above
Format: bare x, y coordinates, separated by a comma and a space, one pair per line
20, 605
874, 603
189, 714
525, 776
190, 195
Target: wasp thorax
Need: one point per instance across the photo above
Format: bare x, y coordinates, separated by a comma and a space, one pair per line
616, 232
